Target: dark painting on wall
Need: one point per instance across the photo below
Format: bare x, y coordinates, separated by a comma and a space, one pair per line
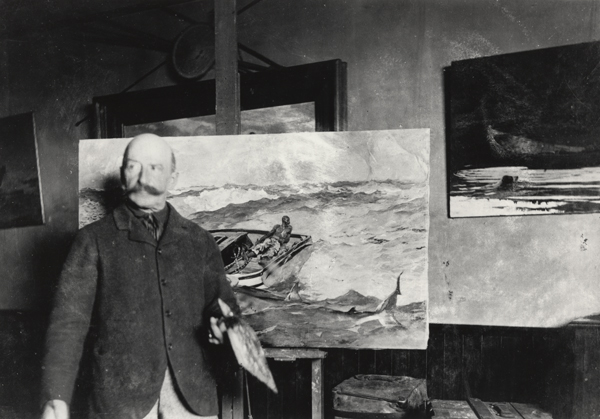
525, 133
20, 191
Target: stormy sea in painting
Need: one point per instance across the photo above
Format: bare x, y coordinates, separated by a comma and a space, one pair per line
334, 294
498, 191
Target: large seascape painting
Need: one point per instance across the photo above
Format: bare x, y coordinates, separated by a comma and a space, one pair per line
354, 272
525, 133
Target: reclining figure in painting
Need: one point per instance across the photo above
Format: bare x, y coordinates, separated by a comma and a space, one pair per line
274, 241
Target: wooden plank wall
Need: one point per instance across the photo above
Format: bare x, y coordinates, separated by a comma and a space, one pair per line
21, 345
557, 368
586, 388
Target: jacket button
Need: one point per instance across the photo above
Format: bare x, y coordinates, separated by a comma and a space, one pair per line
168, 313
159, 250
163, 282
170, 346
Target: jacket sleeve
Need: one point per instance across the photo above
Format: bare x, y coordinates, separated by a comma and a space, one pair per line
216, 283
70, 319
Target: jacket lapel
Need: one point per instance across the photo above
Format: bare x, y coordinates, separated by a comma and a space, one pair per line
174, 231
176, 227
125, 220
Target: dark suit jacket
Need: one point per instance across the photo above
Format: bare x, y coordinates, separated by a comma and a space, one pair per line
139, 305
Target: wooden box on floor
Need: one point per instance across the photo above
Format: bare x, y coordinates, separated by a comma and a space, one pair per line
477, 409
380, 396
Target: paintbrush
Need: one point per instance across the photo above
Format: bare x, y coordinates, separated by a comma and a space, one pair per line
246, 346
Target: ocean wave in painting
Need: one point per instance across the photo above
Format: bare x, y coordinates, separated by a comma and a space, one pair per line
360, 230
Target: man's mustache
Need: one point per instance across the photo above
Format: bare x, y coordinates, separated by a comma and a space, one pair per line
144, 188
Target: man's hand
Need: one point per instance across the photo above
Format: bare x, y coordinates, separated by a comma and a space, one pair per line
217, 327
233, 280
216, 332
56, 409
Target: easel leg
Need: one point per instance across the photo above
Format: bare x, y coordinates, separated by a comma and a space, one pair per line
318, 398
232, 402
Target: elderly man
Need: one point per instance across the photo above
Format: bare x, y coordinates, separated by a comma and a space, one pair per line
139, 291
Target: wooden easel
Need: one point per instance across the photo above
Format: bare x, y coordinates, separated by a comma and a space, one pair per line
228, 123
227, 114
317, 356
232, 404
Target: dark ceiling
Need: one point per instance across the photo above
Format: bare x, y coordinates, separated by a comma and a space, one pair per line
148, 24
24, 18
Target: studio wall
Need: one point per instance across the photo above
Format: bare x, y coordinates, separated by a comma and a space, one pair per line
55, 78
492, 271
515, 271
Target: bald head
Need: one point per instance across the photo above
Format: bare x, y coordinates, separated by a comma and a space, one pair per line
148, 171
152, 141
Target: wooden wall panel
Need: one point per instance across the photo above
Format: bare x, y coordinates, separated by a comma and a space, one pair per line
303, 389
586, 394
383, 362
556, 368
560, 383
21, 337
435, 370
367, 362
471, 360
491, 367
417, 364
452, 359
400, 361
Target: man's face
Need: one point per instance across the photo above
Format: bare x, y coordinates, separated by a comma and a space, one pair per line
147, 174
285, 221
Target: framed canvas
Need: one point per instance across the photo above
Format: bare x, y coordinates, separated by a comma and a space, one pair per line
319, 86
524, 134
20, 188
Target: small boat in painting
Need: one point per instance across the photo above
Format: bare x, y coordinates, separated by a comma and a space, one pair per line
250, 270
